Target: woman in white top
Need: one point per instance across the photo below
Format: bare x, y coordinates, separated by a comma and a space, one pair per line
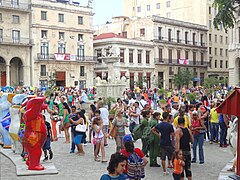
99, 139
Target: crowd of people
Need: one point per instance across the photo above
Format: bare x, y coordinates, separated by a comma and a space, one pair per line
169, 125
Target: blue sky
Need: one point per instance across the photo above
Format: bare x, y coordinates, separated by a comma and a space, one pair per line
105, 9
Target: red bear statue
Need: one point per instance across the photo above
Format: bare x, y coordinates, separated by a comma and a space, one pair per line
35, 132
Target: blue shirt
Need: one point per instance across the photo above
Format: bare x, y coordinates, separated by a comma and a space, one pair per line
165, 128
108, 177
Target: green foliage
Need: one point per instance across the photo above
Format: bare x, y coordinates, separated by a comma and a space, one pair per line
52, 80
48, 92
192, 96
108, 101
225, 15
113, 111
161, 91
183, 77
210, 82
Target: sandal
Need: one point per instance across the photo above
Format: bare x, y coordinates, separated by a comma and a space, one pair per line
104, 161
97, 160
232, 169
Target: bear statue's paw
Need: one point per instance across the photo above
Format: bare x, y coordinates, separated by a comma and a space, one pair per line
36, 168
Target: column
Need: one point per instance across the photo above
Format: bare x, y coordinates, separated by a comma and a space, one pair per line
26, 77
8, 74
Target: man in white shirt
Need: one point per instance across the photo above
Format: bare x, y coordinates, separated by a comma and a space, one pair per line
104, 115
142, 103
135, 117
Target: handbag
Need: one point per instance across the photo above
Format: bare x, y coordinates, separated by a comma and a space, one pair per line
114, 132
81, 127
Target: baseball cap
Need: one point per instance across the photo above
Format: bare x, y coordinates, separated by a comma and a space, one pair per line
127, 138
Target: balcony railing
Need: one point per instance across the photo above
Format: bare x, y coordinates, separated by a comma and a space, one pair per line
65, 57
181, 62
10, 4
20, 41
179, 41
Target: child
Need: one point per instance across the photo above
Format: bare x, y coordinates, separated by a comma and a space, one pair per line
178, 164
47, 144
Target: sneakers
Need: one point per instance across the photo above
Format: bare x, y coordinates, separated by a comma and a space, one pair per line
50, 155
45, 159
211, 142
105, 145
85, 144
155, 165
165, 173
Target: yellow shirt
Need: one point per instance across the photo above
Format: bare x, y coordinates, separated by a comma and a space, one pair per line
214, 115
187, 122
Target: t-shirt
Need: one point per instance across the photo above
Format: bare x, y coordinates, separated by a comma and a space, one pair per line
136, 119
177, 164
104, 115
108, 177
120, 126
214, 115
165, 128
187, 122
136, 150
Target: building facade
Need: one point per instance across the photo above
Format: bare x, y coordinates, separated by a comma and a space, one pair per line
63, 44
15, 43
177, 45
193, 11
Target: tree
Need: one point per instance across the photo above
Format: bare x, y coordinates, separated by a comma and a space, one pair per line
225, 15
183, 77
210, 82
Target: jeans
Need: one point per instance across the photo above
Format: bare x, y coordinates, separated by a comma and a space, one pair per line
223, 133
119, 143
198, 140
214, 128
155, 104
72, 144
132, 126
206, 123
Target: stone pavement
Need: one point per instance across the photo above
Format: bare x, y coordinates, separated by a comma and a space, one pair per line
74, 167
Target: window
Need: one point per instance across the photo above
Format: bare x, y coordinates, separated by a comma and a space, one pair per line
215, 38
82, 70
221, 39
239, 35
80, 52
202, 58
122, 55
210, 62
43, 15
147, 57
186, 37
226, 52
159, 33
215, 51
43, 70
221, 63
221, 52
201, 40
178, 36
124, 34
170, 71
158, 6
226, 64
61, 48
210, 50
168, 15
43, 34
1, 35
170, 56
44, 50
168, 4
169, 35
215, 11
99, 54
194, 58
139, 56
139, 9
210, 24
209, 10
15, 3
220, 27
178, 54
142, 32
80, 20
16, 36
148, 7
16, 19
160, 55
61, 35
226, 40
60, 17
130, 56
80, 37
0, 17
194, 38
186, 54
210, 37
215, 64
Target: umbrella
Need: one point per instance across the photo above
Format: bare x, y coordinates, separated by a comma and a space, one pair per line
231, 107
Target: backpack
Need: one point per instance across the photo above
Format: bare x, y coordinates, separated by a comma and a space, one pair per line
137, 132
148, 135
135, 167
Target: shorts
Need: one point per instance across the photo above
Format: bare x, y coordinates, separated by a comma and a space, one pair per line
105, 129
78, 139
166, 151
47, 144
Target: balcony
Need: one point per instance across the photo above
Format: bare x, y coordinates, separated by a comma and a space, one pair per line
65, 58
16, 41
181, 62
10, 4
179, 41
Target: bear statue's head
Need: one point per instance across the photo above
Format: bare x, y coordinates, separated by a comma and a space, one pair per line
34, 107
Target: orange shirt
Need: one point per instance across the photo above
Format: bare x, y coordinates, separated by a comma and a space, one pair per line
145, 95
177, 164
176, 99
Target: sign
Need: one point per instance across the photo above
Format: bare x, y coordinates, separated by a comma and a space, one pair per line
61, 57
183, 61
